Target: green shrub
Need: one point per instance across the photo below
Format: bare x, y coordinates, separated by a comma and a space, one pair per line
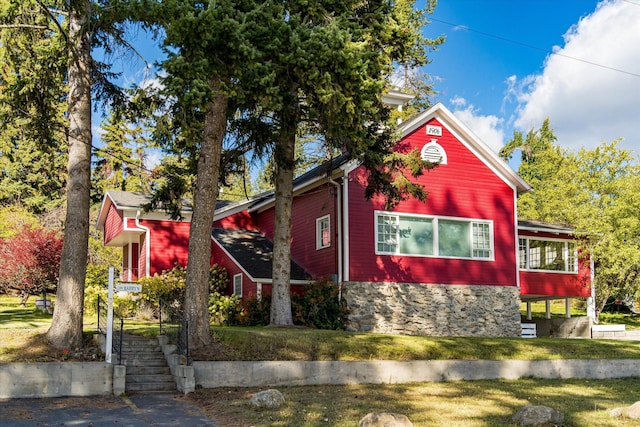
254, 312
168, 286
223, 309
318, 306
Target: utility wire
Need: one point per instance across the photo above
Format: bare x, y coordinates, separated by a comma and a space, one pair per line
504, 39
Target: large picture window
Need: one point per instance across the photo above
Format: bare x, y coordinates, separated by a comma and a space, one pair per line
548, 255
419, 235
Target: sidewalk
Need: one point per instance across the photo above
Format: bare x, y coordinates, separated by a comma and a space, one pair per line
102, 411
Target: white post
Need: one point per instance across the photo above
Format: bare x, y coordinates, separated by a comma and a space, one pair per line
109, 344
591, 301
567, 308
547, 305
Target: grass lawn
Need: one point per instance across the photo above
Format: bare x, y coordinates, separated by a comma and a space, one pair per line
463, 403
585, 403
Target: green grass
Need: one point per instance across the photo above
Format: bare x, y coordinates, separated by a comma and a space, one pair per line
584, 403
236, 343
557, 309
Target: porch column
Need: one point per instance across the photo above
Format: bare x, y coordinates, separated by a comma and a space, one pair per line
567, 308
547, 305
528, 310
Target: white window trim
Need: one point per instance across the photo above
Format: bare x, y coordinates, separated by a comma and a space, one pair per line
236, 276
436, 236
565, 253
319, 221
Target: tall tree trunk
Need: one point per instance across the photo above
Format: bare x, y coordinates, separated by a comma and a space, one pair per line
280, 294
196, 298
66, 327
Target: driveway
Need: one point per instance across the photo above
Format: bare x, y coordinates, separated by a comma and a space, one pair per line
101, 411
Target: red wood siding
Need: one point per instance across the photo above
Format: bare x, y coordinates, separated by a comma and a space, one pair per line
558, 284
305, 210
113, 224
465, 187
169, 243
241, 220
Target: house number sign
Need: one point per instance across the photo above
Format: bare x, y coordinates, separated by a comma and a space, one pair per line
434, 130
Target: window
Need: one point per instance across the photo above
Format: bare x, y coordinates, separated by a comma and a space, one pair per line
323, 232
237, 284
548, 255
421, 235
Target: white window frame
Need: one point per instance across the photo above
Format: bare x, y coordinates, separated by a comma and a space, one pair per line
570, 259
321, 229
434, 219
237, 283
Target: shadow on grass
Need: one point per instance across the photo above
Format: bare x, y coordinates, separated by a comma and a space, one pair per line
462, 404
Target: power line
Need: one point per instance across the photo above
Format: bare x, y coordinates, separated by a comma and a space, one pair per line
529, 46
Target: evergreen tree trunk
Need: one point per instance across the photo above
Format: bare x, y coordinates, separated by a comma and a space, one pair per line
66, 327
196, 299
281, 290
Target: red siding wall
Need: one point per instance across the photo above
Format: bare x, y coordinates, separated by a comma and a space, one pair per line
556, 283
306, 209
464, 187
241, 220
113, 224
169, 242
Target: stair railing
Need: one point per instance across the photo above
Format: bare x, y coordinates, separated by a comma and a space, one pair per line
118, 327
174, 325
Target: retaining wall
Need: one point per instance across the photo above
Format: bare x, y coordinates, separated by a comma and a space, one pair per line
272, 374
18, 380
433, 310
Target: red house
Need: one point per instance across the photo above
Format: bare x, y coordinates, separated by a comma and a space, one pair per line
458, 264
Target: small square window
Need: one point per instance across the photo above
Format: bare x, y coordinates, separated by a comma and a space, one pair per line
323, 232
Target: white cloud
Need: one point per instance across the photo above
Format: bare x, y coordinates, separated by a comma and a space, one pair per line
586, 103
488, 128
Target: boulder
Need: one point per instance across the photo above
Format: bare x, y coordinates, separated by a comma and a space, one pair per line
271, 399
384, 419
632, 411
531, 415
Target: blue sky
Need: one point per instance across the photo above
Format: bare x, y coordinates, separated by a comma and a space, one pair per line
497, 70
509, 64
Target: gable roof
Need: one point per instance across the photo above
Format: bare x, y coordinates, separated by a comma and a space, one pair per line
252, 252
469, 139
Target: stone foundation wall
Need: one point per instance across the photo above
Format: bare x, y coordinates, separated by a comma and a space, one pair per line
433, 310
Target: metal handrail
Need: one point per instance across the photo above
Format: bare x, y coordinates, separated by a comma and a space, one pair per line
116, 345
174, 325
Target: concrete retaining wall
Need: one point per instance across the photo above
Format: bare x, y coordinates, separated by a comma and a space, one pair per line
433, 310
18, 380
272, 374
560, 327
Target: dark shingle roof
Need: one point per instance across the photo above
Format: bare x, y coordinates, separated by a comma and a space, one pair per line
136, 200
544, 227
253, 252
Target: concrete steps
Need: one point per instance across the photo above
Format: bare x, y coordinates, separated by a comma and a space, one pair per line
147, 369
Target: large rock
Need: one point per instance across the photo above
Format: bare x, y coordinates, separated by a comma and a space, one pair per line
632, 411
384, 419
271, 399
535, 415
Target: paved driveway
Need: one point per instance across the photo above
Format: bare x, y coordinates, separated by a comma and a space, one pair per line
102, 411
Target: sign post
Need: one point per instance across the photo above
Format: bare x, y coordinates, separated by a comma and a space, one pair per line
109, 343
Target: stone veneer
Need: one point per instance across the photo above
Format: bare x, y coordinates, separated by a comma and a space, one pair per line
434, 310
